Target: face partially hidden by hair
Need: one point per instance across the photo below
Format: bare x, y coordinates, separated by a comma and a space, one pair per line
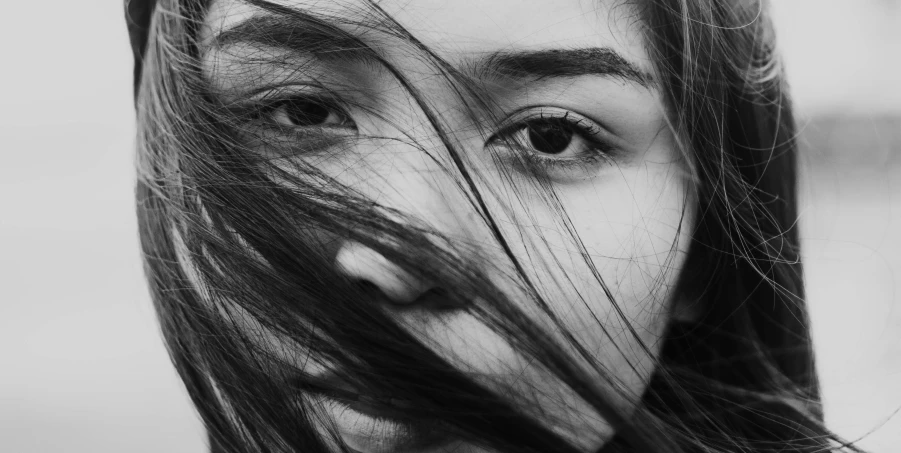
574, 122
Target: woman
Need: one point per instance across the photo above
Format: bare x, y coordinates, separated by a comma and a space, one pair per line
390, 226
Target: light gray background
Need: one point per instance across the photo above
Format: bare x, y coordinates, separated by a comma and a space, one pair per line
82, 368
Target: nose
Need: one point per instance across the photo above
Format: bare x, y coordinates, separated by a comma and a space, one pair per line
404, 179
362, 264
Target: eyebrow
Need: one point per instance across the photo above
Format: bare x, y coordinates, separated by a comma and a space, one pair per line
602, 61
303, 33
298, 33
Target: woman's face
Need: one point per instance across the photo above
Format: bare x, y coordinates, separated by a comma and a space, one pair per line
572, 86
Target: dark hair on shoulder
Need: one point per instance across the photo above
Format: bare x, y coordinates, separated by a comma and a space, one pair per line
227, 263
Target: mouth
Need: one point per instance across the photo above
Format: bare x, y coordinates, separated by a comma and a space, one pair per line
332, 386
370, 424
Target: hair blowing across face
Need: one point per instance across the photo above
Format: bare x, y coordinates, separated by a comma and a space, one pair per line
741, 378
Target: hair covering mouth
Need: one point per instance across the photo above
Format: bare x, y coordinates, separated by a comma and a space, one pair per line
137, 18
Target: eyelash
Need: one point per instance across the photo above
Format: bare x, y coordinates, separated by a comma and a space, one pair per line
269, 107
315, 139
598, 154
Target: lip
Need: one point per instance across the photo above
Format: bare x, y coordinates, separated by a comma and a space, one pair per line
419, 437
422, 436
350, 395
379, 435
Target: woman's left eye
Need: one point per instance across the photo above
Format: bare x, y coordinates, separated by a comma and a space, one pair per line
562, 145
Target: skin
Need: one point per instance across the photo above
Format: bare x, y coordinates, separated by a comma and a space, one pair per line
630, 212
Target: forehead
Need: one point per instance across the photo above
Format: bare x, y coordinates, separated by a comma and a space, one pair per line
457, 28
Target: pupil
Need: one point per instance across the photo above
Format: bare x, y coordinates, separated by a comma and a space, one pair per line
306, 113
550, 138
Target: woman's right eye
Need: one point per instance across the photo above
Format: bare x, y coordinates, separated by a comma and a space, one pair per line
305, 113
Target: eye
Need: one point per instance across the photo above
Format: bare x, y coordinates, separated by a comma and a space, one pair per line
556, 143
307, 113
553, 136
289, 125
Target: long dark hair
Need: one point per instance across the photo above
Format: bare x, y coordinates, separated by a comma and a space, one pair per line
233, 252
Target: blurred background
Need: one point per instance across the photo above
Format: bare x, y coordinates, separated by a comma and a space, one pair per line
82, 367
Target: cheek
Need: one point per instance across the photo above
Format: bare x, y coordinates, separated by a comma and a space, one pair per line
633, 226
629, 223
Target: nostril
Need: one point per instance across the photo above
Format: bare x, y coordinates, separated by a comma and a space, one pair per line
435, 298
438, 298
369, 290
